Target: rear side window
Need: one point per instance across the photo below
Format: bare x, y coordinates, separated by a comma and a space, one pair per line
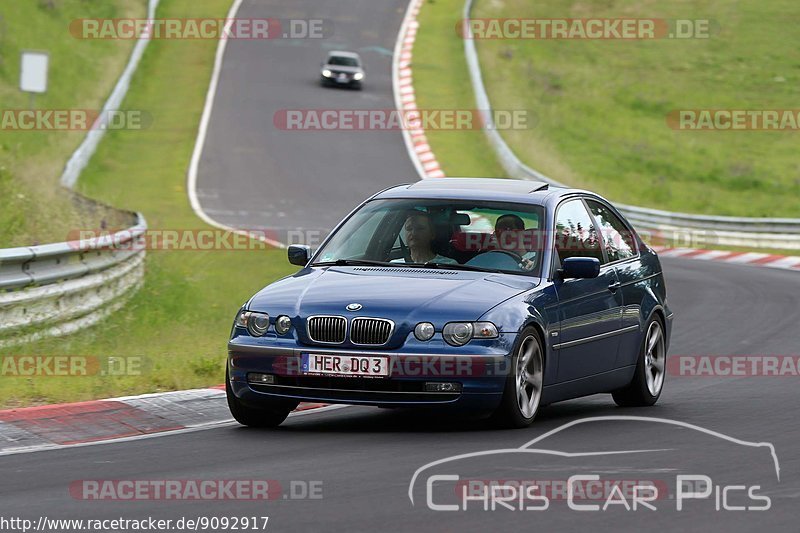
617, 238
576, 235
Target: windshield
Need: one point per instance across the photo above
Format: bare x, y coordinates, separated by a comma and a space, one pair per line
343, 61
453, 234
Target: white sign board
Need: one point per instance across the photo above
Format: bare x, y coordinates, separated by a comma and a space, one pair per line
33, 73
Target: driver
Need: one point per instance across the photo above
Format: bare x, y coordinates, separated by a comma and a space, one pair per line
419, 237
508, 234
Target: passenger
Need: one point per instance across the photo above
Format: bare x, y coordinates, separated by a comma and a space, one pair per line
419, 236
508, 233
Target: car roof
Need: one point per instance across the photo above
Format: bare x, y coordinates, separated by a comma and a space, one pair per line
342, 53
499, 189
485, 184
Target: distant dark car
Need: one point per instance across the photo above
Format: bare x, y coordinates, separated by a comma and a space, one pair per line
343, 69
487, 295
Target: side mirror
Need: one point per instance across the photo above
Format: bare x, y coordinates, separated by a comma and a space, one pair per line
580, 267
299, 254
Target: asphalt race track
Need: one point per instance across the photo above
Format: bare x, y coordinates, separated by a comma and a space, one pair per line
253, 175
256, 176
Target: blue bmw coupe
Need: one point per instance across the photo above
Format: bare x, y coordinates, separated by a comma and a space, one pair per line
487, 295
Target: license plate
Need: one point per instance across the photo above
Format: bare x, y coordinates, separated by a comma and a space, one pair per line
345, 365
342, 79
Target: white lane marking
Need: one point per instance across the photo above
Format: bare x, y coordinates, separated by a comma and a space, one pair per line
202, 132
189, 429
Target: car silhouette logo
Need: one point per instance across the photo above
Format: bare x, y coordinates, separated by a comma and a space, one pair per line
353, 307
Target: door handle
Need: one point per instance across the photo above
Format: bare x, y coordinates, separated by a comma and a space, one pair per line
614, 285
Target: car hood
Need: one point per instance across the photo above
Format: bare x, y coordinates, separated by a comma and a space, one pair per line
407, 295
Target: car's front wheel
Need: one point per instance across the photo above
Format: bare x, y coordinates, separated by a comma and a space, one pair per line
648, 378
264, 417
524, 384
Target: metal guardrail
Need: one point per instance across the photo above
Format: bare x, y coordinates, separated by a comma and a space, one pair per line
80, 158
676, 228
56, 289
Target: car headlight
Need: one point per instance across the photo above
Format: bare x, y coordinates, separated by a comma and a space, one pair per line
283, 324
358, 76
326, 73
460, 333
256, 324
424, 331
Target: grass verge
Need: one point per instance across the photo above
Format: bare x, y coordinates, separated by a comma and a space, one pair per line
176, 327
600, 106
441, 81
34, 209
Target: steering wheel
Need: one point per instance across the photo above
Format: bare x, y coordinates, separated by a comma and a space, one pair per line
514, 255
497, 259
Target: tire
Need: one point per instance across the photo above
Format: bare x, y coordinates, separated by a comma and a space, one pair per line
265, 417
518, 409
648, 378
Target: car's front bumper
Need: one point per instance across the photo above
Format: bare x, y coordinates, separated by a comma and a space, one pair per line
347, 82
480, 372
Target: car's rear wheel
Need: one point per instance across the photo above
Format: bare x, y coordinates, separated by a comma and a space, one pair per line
648, 378
263, 417
524, 384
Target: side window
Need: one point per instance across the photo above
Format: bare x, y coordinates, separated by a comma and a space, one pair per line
575, 234
617, 238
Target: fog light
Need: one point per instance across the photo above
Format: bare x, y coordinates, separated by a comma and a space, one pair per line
283, 324
439, 386
264, 379
424, 331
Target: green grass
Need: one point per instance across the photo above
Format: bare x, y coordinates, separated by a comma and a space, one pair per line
600, 106
441, 81
179, 322
33, 207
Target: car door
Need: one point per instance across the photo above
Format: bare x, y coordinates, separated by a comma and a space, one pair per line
590, 310
622, 252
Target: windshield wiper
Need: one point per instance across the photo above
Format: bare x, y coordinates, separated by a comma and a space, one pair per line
455, 266
429, 264
356, 262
